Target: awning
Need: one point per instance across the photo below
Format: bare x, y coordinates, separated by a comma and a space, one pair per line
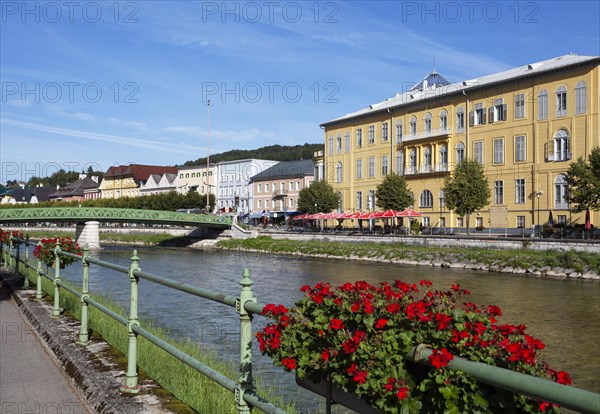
255, 216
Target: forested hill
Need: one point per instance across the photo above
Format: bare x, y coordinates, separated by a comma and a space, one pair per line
272, 152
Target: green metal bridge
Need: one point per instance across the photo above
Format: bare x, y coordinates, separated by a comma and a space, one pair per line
112, 215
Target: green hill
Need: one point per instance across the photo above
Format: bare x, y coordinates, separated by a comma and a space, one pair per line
272, 152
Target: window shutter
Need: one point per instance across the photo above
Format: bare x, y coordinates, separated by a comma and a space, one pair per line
569, 154
482, 116
471, 118
504, 107
491, 112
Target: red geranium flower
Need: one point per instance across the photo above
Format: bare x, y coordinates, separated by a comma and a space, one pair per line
336, 324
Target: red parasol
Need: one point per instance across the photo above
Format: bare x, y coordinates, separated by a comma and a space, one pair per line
409, 213
387, 214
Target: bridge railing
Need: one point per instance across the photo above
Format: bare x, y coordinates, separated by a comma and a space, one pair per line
246, 305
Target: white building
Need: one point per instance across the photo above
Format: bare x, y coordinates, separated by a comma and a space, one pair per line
156, 184
197, 178
234, 192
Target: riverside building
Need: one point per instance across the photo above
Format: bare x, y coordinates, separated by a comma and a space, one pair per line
524, 125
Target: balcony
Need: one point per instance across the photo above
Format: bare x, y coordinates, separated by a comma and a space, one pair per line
426, 169
440, 132
279, 193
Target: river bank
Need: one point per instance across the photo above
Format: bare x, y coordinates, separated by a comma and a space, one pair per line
555, 263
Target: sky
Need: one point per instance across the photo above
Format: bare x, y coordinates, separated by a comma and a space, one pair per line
103, 83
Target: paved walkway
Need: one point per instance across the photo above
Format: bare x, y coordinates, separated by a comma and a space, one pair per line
30, 380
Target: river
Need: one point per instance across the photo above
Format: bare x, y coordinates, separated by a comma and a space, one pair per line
563, 313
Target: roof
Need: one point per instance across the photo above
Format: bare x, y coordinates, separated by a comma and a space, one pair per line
138, 171
434, 80
24, 195
286, 169
434, 90
76, 188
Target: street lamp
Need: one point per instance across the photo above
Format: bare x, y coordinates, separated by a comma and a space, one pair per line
538, 195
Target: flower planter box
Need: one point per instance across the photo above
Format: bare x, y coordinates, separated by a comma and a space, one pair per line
336, 395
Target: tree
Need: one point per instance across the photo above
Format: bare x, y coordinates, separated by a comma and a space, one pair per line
393, 194
318, 197
466, 189
583, 178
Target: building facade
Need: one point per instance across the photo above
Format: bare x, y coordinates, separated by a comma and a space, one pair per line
157, 184
277, 188
126, 180
197, 178
525, 126
234, 192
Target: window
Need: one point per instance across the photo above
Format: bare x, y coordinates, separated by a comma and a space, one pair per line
266, 203
413, 125
338, 141
371, 166
478, 151
460, 153
347, 142
562, 150
479, 222
459, 222
399, 131
444, 120
520, 191
297, 185
281, 187
330, 141
384, 131
426, 199
338, 172
460, 120
561, 101
399, 162
580, 98
520, 105
521, 222
543, 104
371, 200
442, 222
497, 112
384, 165
427, 159
291, 202
561, 219
477, 117
561, 190
427, 120
520, 154
359, 137
443, 157
266, 187
260, 188
499, 192
359, 200
498, 150
340, 202
371, 134
259, 203
291, 186
359, 168
412, 168
441, 199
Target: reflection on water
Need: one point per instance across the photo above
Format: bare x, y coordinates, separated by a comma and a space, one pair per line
564, 314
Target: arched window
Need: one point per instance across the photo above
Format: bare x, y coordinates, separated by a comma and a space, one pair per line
460, 119
543, 104
338, 172
413, 125
460, 152
427, 120
444, 120
427, 159
426, 199
561, 190
562, 146
443, 158
561, 101
580, 98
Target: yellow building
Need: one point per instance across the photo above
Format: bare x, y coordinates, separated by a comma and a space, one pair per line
126, 180
525, 126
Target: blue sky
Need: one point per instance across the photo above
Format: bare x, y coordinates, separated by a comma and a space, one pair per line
103, 83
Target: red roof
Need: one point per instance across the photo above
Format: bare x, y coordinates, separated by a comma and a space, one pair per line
139, 172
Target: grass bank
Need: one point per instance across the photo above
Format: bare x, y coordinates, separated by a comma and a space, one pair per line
478, 258
188, 385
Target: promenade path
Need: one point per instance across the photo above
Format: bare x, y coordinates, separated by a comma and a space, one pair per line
30, 380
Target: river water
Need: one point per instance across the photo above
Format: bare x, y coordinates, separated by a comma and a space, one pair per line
562, 313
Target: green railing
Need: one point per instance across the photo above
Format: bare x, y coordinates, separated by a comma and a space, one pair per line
246, 305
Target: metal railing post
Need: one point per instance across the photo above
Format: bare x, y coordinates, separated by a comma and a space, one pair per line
26, 281
245, 381
131, 380
38, 286
56, 308
83, 330
11, 252
17, 255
